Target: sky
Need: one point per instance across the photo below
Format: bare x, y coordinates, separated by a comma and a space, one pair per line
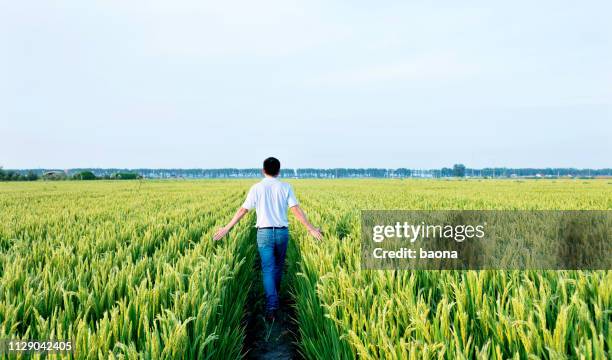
208, 84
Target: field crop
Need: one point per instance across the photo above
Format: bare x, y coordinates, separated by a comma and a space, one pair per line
445, 314
129, 270
124, 268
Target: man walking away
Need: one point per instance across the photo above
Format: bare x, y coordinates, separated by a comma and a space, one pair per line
271, 198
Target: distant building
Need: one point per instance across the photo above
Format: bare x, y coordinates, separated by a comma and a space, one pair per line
54, 175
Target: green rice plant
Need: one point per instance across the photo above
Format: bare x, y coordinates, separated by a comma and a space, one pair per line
125, 270
128, 270
445, 314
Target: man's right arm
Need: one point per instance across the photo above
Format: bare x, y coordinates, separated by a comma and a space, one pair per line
299, 214
249, 203
224, 230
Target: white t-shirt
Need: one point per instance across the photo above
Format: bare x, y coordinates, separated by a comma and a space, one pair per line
271, 199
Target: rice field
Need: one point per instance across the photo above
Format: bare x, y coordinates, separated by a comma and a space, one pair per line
445, 314
128, 270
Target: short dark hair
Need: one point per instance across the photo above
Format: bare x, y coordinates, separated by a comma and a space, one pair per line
271, 166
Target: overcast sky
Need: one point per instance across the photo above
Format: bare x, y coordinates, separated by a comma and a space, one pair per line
415, 84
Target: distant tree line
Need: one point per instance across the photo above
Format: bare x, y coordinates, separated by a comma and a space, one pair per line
16, 175
35, 174
458, 170
89, 175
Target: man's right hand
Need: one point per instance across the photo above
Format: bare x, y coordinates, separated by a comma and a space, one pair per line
316, 233
220, 233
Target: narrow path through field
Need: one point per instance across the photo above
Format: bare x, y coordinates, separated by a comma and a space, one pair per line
271, 340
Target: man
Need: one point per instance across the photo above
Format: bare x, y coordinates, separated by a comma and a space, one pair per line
271, 198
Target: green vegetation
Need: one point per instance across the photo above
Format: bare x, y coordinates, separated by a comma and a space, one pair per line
11, 175
125, 176
84, 175
124, 269
128, 269
445, 314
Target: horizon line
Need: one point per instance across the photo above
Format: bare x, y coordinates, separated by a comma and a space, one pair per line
305, 167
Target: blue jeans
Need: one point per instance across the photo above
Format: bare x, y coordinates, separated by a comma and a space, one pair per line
272, 245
